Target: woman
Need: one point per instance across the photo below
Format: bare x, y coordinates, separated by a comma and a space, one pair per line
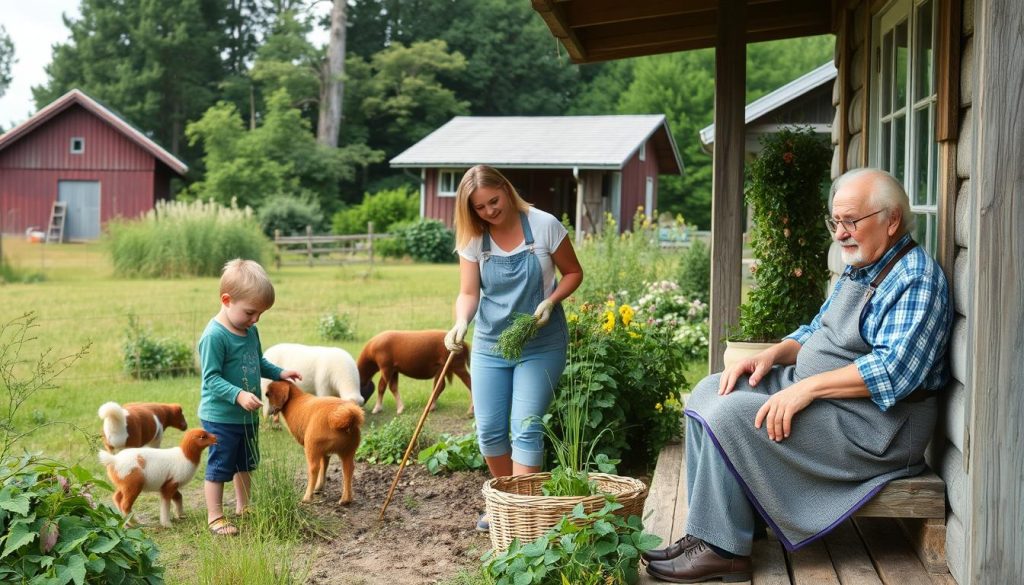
508, 253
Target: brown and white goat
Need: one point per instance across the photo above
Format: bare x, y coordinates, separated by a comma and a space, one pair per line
417, 354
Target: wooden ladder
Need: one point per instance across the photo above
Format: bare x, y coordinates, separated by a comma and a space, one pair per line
55, 233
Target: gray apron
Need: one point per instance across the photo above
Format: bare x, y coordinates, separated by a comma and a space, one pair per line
840, 452
514, 284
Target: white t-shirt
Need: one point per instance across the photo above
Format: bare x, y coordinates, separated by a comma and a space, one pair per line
548, 234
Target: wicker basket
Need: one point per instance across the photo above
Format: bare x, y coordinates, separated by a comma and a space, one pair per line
518, 509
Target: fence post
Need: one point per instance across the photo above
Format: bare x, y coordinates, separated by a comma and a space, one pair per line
309, 244
369, 230
277, 249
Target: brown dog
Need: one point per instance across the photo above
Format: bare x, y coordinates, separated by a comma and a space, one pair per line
417, 354
138, 424
322, 425
145, 469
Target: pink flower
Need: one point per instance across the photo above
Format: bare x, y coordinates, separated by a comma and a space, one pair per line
798, 272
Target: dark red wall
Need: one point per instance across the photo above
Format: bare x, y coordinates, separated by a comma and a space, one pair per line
31, 167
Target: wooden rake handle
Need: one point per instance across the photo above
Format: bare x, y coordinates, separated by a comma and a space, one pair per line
416, 433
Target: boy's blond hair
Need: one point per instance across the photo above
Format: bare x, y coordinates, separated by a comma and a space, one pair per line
246, 280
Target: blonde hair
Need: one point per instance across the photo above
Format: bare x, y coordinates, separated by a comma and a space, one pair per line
246, 280
468, 224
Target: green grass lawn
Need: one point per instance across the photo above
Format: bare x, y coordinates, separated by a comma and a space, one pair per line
80, 303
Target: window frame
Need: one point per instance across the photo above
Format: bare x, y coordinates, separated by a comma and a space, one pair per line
81, 142
456, 176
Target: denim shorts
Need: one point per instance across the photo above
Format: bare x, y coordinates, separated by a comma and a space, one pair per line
237, 449
509, 398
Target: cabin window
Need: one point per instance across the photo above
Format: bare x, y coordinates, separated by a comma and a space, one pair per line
903, 108
643, 152
448, 182
77, 145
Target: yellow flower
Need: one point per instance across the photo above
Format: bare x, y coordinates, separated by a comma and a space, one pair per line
657, 407
609, 322
610, 303
634, 335
626, 312
572, 318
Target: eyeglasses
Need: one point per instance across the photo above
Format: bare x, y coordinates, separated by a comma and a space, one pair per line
849, 224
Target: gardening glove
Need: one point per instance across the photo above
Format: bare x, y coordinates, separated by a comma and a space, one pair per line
453, 339
543, 312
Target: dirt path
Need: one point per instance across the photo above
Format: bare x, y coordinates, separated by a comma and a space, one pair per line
427, 535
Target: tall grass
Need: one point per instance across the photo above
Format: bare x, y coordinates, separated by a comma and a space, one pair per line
179, 239
250, 560
622, 263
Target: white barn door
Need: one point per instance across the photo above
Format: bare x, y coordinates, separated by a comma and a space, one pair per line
83, 214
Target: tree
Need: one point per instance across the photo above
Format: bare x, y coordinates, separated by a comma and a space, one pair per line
280, 157
332, 86
6, 59
157, 62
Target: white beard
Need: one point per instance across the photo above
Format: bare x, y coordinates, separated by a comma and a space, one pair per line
851, 258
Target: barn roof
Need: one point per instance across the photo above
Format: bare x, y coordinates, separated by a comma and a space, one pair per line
543, 142
780, 97
77, 96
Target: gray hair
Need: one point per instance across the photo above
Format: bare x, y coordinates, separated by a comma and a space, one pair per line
886, 192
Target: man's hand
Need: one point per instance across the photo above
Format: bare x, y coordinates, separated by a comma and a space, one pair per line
248, 401
291, 375
756, 366
543, 312
453, 339
778, 412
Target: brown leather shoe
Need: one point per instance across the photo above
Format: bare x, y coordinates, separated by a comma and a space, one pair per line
671, 551
698, 563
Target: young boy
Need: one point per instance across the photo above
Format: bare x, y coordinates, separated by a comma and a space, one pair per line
232, 363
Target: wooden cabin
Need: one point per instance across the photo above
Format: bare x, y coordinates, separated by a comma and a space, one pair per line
79, 152
929, 90
577, 166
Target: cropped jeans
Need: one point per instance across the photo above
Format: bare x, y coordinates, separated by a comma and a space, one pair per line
507, 394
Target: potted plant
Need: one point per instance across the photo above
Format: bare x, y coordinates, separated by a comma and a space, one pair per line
789, 240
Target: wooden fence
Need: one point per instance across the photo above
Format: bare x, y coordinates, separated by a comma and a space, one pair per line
314, 250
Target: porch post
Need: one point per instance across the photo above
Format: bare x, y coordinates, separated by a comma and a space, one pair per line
727, 175
579, 204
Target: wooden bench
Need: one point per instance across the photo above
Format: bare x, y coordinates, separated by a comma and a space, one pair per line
919, 504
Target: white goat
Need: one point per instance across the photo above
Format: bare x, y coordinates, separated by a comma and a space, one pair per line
326, 371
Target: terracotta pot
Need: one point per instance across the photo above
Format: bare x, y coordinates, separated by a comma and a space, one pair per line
738, 350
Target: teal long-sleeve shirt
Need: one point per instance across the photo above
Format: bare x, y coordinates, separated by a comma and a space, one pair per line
231, 363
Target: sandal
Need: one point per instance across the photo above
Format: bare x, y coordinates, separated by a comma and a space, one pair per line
220, 526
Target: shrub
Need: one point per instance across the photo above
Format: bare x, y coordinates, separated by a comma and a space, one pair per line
621, 263
582, 549
428, 240
789, 241
290, 215
384, 209
453, 453
54, 531
184, 239
695, 271
663, 306
147, 357
335, 327
632, 376
386, 444
13, 274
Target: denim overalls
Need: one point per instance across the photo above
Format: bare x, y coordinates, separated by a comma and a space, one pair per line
507, 393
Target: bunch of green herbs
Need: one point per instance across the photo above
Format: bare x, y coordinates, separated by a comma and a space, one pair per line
519, 332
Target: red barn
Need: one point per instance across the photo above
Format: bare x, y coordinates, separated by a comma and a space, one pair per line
78, 151
580, 166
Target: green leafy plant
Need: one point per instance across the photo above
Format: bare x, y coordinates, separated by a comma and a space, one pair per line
289, 214
335, 327
147, 357
664, 307
582, 549
789, 240
452, 453
386, 444
55, 532
428, 240
514, 337
695, 271
621, 263
383, 208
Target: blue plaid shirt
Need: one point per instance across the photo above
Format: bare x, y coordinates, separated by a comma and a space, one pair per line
906, 323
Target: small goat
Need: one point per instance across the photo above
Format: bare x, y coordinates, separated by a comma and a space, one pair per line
417, 354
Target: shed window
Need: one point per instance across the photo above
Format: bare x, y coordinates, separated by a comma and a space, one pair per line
448, 182
904, 108
77, 145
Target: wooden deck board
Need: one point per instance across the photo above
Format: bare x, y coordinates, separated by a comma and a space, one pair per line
865, 551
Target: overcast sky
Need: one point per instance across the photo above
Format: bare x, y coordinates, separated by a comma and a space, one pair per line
35, 26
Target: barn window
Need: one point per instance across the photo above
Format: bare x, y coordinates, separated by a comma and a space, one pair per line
904, 108
77, 145
448, 182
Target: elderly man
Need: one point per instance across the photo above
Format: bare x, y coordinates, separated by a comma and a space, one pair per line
807, 431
